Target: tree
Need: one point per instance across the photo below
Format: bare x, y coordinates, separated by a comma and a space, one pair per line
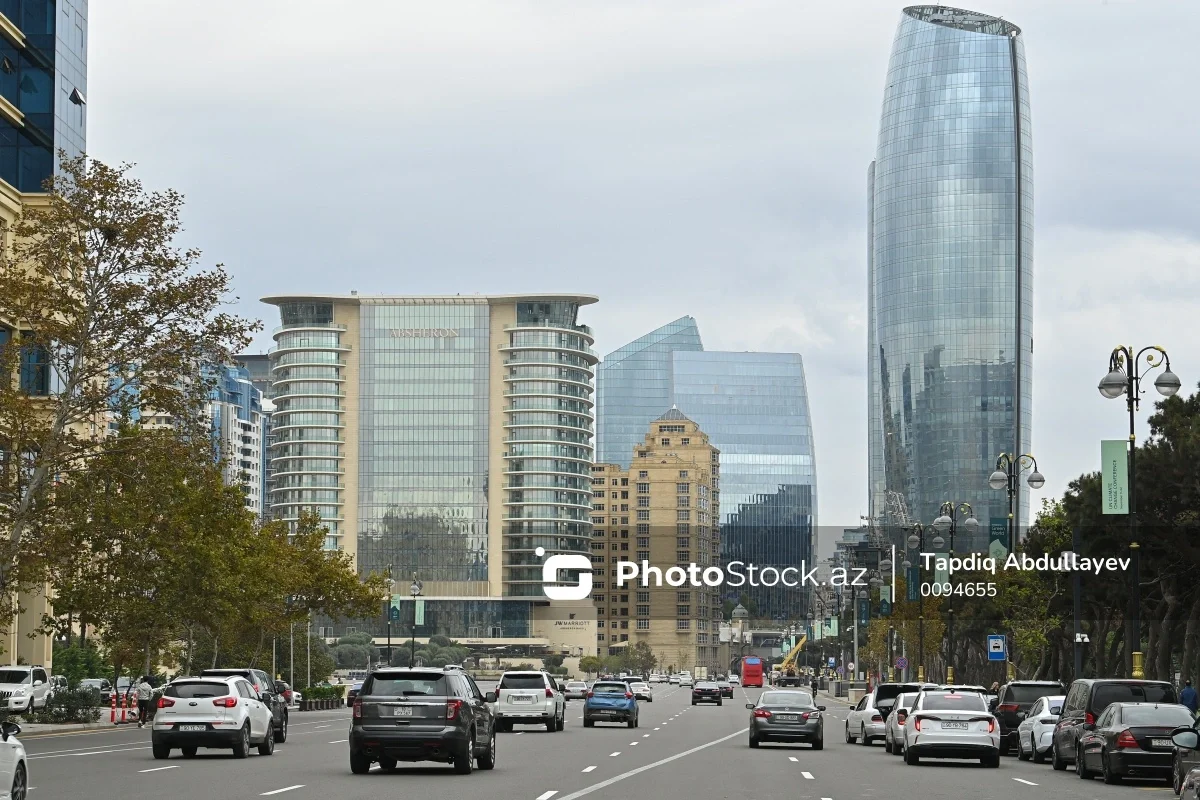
639, 658
77, 662
113, 318
552, 662
590, 665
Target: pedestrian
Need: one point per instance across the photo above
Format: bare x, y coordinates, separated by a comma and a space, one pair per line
1188, 696
144, 692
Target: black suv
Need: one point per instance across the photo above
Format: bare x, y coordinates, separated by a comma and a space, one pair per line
1086, 700
422, 714
267, 690
1013, 703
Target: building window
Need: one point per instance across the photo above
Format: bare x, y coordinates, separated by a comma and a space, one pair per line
614, 481
683, 597
683, 624
685, 441
613, 559
599, 598
625, 494
684, 501
625, 520
624, 545
643, 597
624, 482
625, 534
643, 502
643, 530
643, 541
683, 556
683, 529
598, 494
644, 515
614, 545
643, 624
599, 637
35, 370
683, 488
643, 555
643, 488
683, 541
643, 474
624, 637
625, 507
683, 473
665, 442
641, 453
614, 495
683, 515
612, 638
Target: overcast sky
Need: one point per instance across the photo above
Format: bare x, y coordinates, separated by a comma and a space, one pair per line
703, 158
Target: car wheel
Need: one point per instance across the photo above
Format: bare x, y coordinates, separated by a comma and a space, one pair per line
1081, 768
161, 751
819, 744
897, 749
189, 752
651, 700
589, 723
562, 721
241, 747
849, 738
1021, 754
504, 727
1004, 745
753, 740
1106, 770
887, 745
1177, 774
387, 764
1055, 759
464, 761
281, 736
719, 702
267, 748
911, 759
360, 763
1034, 755
862, 735
992, 761
488, 759
552, 723
19, 787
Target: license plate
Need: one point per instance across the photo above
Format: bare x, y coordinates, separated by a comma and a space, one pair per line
520, 698
786, 717
192, 728
954, 726
396, 711
1161, 743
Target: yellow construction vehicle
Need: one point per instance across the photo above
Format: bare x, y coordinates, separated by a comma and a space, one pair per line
789, 674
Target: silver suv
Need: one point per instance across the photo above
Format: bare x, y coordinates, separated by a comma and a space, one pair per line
529, 698
24, 688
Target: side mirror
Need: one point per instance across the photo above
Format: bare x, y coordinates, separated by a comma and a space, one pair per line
562, 687
1055, 711
38, 683
490, 697
9, 729
820, 708
1186, 739
993, 704
750, 705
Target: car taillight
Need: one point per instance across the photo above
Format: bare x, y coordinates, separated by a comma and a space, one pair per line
1008, 707
165, 702
591, 693
1089, 718
549, 692
629, 695
900, 717
358, 709
804, 716
761, 713
1126, 739
991, 726
452, 708
917, 723
225, 702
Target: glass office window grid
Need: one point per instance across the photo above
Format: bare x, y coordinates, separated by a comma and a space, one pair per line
754, 408
951, 232
633, 386
307, 456
548, 440
423, 442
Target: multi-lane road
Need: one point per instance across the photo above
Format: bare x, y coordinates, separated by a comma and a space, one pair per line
678, 752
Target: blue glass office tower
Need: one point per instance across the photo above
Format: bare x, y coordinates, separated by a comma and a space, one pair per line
43, 87
950, 303
633, 386
754, 408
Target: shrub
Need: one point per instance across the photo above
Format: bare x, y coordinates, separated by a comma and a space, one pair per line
69, 705
324, 692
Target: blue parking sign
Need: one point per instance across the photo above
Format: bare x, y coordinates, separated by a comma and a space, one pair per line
995, 647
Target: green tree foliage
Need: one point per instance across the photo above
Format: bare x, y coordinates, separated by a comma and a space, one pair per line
591, 665
78, 662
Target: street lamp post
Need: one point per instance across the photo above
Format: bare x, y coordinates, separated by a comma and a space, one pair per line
391, 590
916, 541
415, 591
948, 523
1008, 468
1125, 373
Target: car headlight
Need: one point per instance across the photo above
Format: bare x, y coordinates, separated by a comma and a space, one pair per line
19, 692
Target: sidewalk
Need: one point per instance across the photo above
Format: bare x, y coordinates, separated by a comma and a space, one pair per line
31, 730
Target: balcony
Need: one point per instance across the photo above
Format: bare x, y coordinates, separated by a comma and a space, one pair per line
554, 326
324, 326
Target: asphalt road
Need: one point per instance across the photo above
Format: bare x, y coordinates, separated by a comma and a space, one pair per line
679, 752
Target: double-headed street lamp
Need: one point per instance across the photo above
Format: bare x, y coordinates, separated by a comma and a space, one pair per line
916, 541
947, 523
1125, 374
1008, 468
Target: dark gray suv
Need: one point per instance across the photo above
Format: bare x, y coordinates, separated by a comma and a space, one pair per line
422, 714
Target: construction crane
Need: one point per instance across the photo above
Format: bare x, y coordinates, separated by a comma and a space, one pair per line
789, 675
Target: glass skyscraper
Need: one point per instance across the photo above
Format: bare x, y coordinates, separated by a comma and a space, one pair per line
633, 386
754, 408
950, 262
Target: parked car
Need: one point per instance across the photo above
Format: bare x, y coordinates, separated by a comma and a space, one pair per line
786, 716
216, 712
1086, 700
1131, 740
422, 714
642, 691
706, 692
1036, 730
726, 688
576, 690
1186, 758
353, 691
529, 698
1012, 705
264, 686
893, 729
284, 689
951, 724
610, 701
24, 688
100, 686
14, 769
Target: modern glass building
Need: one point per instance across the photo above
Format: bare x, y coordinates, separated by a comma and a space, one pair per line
633, 386
446, 438
239, 428
754, 408
950, 288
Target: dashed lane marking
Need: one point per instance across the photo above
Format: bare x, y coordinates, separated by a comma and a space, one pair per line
645, 736
90, 753
159, 769
339, 741
281, 791
792, 758
807, 776
1022, 780
547, 795
519, 733
613, 755
633, 744
588, 769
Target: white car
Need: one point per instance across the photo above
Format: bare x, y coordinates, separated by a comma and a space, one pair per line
529, 698
1035, 734
642, 691
576, 690
24, 688
215, 713
14, 770
686, 680
735, 680
893, 733
673, 680
951, 724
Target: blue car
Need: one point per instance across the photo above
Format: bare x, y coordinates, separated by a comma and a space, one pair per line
610, 701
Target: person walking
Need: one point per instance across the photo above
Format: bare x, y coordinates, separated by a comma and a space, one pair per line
144, 692
1188, 697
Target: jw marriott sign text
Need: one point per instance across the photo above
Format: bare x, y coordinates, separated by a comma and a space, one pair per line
423, 333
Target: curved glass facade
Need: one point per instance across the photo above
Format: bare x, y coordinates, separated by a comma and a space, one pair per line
950, 265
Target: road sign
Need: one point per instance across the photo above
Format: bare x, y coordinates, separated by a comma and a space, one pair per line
996, 649
901, 663
841, 670
832, 661
850, 666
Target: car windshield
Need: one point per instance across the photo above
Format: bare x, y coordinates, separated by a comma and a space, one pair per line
1167, 716
1109, 693
14, 676
523, 682
1018, 693
888, 692
416, 684
576, 685
706, 685
722, 684
190, 690
785, 699
609, 688
905, 700
93, 683
954, 702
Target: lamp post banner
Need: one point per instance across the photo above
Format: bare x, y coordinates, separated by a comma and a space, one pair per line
914, 583
998, 537
1114, 467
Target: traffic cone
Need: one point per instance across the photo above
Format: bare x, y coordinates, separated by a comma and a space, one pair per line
112, 717
124, 698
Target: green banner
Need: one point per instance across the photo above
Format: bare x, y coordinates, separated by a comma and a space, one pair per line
419, 614
1114, 468
998, 538
941, 574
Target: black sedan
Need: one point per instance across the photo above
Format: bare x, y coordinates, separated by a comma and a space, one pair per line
1131, 740
726, 688
706, 692
787, 716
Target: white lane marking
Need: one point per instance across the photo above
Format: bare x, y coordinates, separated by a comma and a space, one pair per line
159, 769
633, 744
645, 736
792, 758
807, 776
81, 749
612, 755
656, 729
321, 726
1022, 780
339, 741
91, 753
519, 733
588, 769
547, 795
281, 791
604, 784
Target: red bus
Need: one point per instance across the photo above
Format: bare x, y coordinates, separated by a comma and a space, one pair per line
752, 672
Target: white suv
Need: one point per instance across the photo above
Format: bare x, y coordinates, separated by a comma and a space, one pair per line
216, 713
529, 698
24, 688
14, 772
